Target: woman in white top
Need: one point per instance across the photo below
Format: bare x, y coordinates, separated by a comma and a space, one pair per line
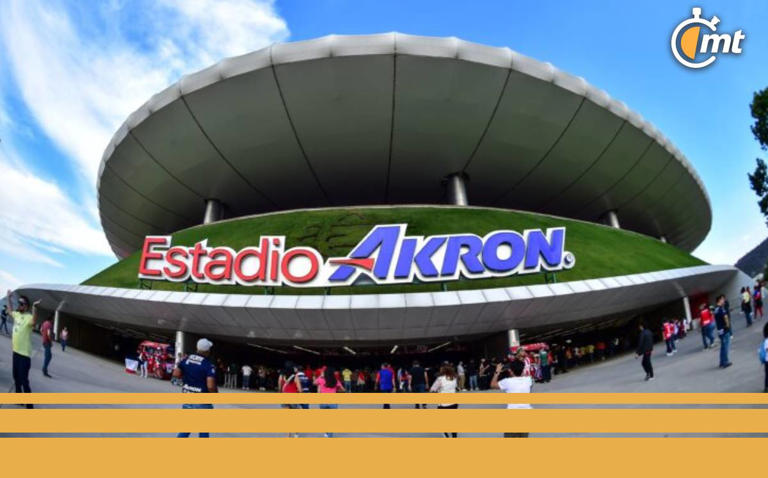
446, 382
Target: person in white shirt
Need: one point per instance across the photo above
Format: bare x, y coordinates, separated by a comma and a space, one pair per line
247, 371
513, 381
446, 382
462, 376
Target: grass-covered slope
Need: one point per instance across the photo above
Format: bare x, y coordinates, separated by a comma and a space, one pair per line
600, 251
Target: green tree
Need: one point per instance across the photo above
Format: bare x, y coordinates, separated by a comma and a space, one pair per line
759, 110
758, 179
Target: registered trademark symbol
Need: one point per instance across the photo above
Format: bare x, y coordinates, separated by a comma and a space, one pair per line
569, 260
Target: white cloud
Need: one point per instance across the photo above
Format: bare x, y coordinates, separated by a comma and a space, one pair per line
80, 68
38, 221
80, 81
8, 281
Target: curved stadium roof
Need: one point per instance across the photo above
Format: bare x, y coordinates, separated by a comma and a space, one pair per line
382, 119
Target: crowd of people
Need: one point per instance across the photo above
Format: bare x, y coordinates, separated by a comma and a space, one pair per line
542, 362
513, 373
714, 319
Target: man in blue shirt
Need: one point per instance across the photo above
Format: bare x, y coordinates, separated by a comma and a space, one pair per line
723, 323
198, 375
385, 380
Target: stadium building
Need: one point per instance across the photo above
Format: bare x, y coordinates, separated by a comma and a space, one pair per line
354, 192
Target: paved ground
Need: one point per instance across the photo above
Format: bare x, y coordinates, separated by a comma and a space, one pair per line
692, 369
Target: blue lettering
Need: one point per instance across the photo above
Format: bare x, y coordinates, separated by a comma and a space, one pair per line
540, 246
405, 260
491, 255
423, 258
470, 257
385, 239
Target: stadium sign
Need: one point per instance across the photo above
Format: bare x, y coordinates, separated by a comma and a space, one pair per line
386, 255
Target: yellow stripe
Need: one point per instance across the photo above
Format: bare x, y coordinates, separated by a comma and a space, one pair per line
384, 421
374, 457
374, 398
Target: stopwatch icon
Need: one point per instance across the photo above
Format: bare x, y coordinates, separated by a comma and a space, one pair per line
684, 26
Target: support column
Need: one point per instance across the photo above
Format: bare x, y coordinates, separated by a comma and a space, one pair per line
513, 338
687, 309
213, 211
180, 343
610, 218
457, 189
56, 324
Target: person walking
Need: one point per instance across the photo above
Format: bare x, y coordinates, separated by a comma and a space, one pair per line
723, 324
63, 338
198, 375
746, 305
512, 381
546, 371
757, 297
446, 382
385, 381
246, 371
483, 373
404, 379
4, 320
707, 326
644, 350
327, 383
142, 358
23, 323
46, 330
462, 373
288, 382
346, 375
472, 373
419, 381
763, 354
668, 334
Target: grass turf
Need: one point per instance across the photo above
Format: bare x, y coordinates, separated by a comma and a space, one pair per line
600, 251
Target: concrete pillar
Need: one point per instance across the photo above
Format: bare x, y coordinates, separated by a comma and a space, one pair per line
663, 239
610, 218
513, 338
457, 189
687, 308
180, 344
56, 324
213, 211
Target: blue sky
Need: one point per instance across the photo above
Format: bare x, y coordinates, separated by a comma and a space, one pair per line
70, 73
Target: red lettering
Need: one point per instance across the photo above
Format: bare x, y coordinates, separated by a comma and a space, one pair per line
274, 261
224, 264
260, 254
147, 254
197, 253
180, 264
313, 268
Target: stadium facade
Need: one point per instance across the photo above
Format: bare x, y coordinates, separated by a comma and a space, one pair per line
389, 189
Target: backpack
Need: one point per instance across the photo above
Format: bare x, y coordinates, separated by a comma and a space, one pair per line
761, 353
